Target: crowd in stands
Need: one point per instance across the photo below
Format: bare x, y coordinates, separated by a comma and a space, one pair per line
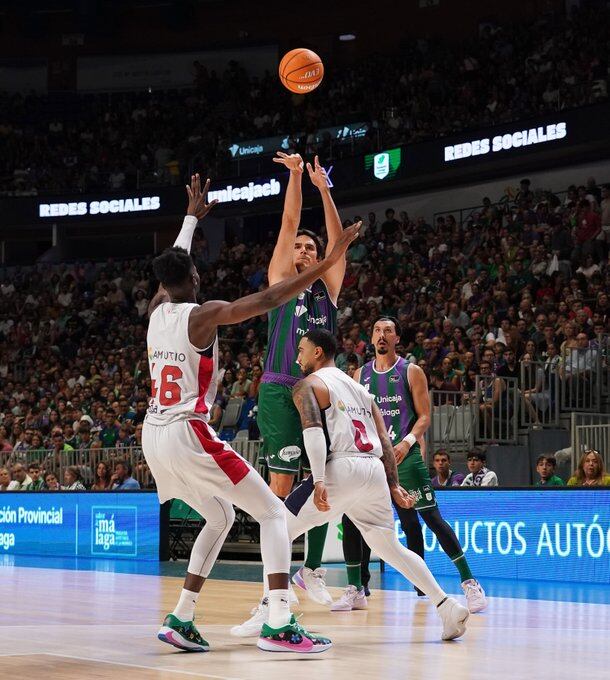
115, 141
526, 280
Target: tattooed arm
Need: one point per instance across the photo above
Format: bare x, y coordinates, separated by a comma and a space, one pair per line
400, 496
309, 395
305, 399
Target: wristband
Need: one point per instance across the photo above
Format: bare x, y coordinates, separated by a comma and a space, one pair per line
410, 439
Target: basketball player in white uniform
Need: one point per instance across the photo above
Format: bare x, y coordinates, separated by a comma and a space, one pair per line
353, 470
187, 459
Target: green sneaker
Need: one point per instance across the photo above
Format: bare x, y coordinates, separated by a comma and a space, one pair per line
182, 634
291, 638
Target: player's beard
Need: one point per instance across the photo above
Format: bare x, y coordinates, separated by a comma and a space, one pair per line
307, 370
382, 350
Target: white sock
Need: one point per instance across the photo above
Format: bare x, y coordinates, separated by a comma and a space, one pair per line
265, 584
279, 609
185, 609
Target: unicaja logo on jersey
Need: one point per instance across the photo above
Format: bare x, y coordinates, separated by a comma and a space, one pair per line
299, 310
340, 405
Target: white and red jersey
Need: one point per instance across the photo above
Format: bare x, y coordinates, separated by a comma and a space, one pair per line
183, 377
349, 421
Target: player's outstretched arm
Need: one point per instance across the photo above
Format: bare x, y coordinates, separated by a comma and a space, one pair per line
204, 320
402, 498
281, 265
335, 275
307, 395
196, 210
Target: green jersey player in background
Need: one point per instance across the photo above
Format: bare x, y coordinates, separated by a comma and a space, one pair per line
401, 392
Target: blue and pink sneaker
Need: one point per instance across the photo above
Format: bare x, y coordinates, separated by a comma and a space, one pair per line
291, 638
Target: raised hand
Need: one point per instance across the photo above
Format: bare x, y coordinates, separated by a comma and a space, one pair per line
197, 205
292, 161
317, 174
348, 235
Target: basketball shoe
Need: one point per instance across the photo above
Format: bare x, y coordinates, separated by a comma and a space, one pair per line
454, 617
182, 634
291, 638
352, 598
253, 626
312, 581
475, 596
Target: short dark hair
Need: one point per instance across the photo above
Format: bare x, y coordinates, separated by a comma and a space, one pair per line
173, 266
549, 459
443, 452
394, 320
323, 339
124, 463
476, 453
315, 238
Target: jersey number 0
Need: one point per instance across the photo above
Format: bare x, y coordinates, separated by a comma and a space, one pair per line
361, 438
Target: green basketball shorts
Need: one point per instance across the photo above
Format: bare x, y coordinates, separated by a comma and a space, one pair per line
414, 477
280, 425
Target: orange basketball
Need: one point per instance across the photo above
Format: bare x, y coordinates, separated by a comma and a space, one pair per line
301, 70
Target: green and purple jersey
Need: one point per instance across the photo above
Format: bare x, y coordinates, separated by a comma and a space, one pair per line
288, 323
393, 397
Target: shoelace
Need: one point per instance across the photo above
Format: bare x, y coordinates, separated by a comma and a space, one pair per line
320, 576
257, 609
299, 629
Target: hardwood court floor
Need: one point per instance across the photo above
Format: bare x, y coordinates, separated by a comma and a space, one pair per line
66, 625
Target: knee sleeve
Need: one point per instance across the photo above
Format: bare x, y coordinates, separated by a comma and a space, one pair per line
412, 529
223, 520
385, 543
275, 542
352, 542
443, 532
274, 510
219, 517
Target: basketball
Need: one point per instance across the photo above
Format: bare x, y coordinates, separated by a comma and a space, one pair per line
301, 70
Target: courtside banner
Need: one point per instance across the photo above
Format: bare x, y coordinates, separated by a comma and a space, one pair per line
80, 524
550, 534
